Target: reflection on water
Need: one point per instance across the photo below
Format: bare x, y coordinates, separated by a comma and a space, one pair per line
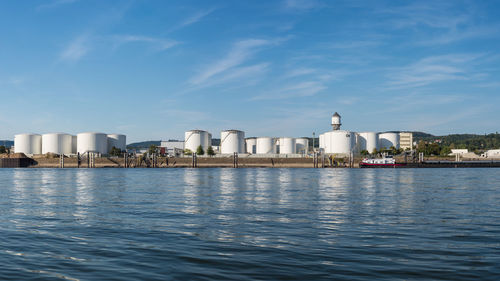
305, 224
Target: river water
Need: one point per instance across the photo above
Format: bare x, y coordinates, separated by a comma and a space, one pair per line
249, 224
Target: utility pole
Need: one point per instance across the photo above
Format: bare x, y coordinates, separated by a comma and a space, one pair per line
314, 135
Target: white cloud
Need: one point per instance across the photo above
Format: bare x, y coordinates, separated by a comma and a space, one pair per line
301, 5
239, 53
76, 49
192, 19
434, 69
54, 4
159, 44
300, 89
300, 72
196, 17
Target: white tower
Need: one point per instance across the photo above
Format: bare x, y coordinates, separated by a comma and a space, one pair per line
336, 121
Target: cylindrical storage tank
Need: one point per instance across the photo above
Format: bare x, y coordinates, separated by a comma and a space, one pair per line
92, 142
28, 143
338, 142
368, 141
195, 138
302, 145
251, 145
265, 145
387, 140
74, 141
57, 143
287, 146
232, 141
118, 141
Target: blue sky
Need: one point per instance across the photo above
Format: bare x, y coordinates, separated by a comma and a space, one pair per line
154, 69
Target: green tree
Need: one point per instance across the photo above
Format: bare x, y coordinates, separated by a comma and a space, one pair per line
115, 151
210, 151
445, 150
3, 149
152, 149
188, 152
199, 150
374, 152
364, 152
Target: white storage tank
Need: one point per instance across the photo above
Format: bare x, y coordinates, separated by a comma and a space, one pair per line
117, 140
266, 145
368, 141
92, 142
28, 143
195, 138
287, 145
251, 145
57, 143
232, 141
338, 142
74, 141
386, 140
302, 145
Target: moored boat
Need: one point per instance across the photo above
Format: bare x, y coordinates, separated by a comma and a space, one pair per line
385, 162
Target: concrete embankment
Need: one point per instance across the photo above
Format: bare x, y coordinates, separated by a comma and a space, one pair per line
202, 162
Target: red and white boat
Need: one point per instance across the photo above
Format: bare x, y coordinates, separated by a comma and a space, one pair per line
386, 162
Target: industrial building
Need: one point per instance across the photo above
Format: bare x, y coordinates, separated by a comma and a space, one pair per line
406, 140
367, 141
287, 145
195, 138
232, 141
28, 144
66, 144
251, 145
342, 142
388, 140
57, 143
172, 148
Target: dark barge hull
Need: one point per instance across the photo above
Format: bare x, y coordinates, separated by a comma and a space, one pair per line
439, 164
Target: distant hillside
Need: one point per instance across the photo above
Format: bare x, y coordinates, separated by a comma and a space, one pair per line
143, 144
421, 135
469, 141
6, 143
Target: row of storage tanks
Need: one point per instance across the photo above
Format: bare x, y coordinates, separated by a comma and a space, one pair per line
344, 142
233, 141
62, 143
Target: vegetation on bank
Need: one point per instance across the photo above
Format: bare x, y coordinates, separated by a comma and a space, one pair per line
443, 145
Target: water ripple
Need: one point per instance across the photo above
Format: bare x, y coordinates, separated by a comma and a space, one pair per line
249, 224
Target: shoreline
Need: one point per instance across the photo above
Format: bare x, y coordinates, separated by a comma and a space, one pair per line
229, 162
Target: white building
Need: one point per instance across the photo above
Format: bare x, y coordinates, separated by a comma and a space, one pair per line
459, 151
173, 148
493, 153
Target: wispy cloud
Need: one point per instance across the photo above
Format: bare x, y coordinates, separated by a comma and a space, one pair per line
430, 121
434, 69
455, 35
299, 72
354, 44
54, 4
429, 14
240, 52
196, 17
301, 5
159, 44
294, 90
12, 81
76, 49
